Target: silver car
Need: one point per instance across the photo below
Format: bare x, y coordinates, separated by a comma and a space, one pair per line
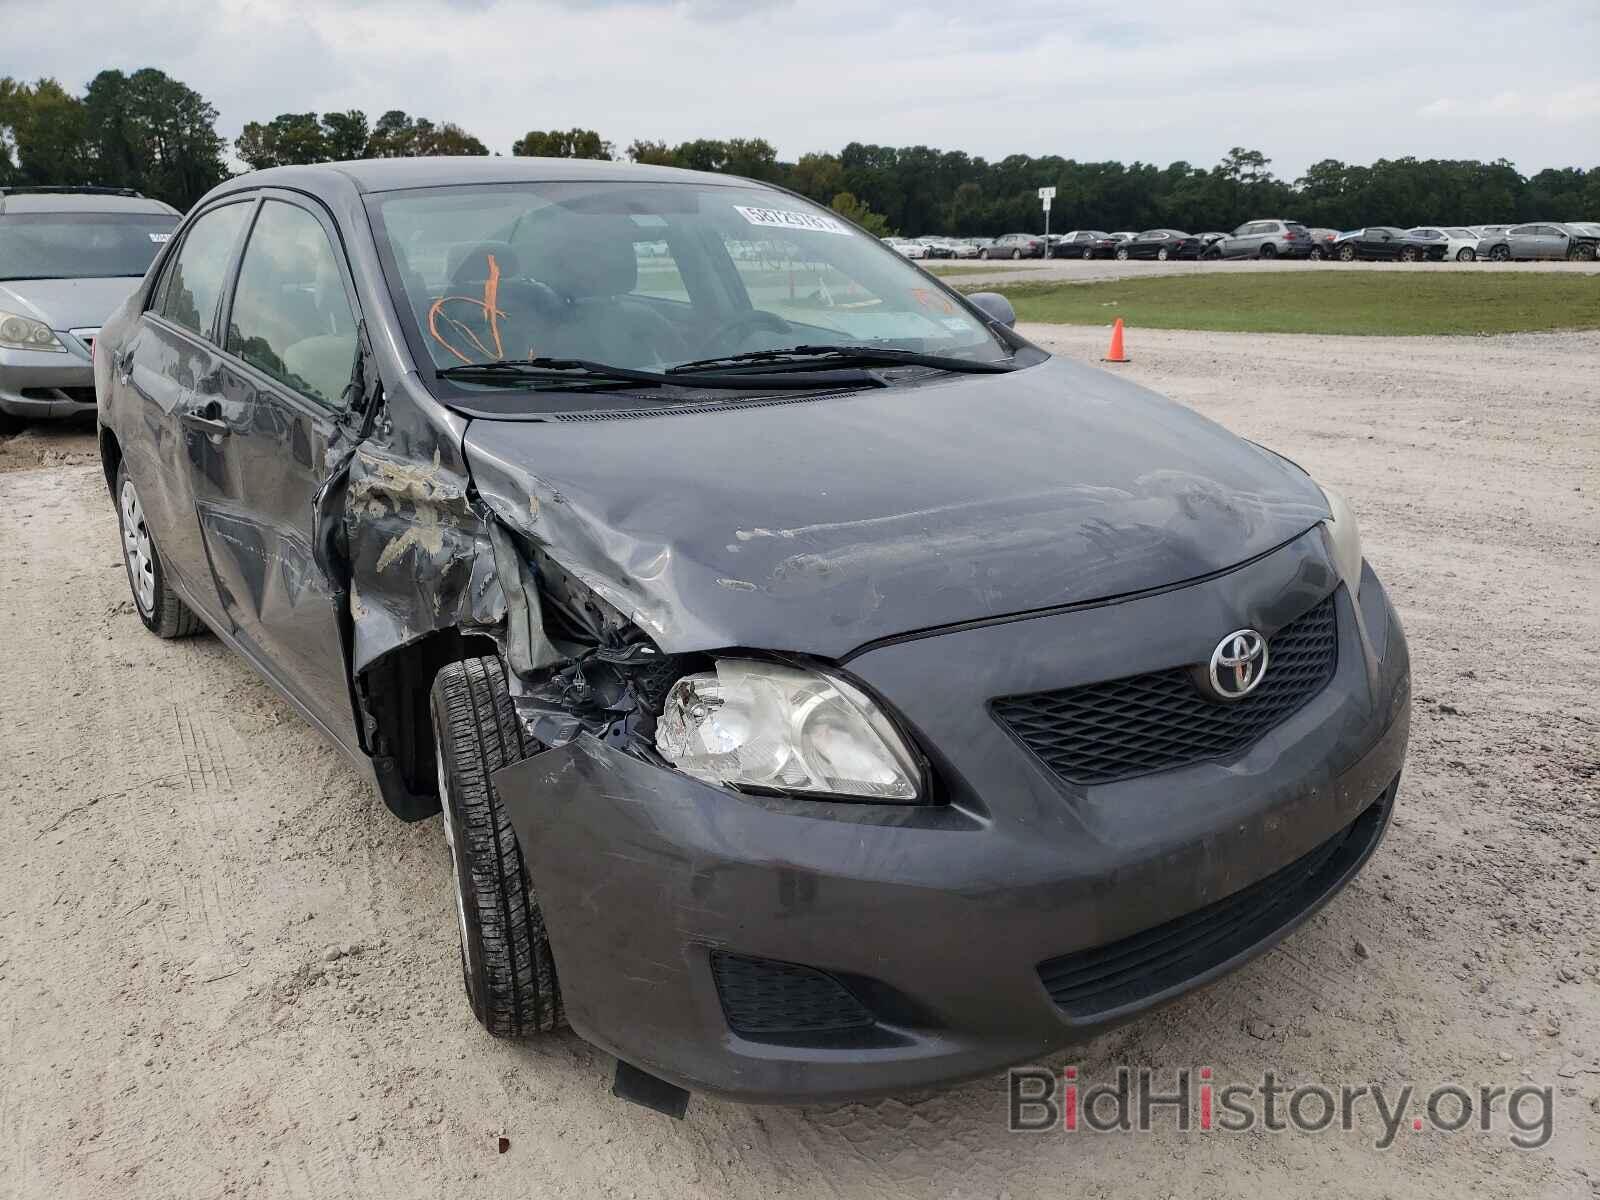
1263, 239
1538, 240
68, 257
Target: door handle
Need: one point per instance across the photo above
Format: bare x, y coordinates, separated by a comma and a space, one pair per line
207, 420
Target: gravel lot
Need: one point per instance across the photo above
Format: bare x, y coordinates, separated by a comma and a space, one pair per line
225, 971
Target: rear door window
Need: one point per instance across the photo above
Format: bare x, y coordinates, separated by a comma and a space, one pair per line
193, 282
291, 317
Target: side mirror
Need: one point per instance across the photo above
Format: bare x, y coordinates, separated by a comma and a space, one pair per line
994, 306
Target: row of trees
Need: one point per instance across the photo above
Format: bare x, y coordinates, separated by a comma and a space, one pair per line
151, 132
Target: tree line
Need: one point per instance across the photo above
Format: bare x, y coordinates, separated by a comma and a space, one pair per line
148, 131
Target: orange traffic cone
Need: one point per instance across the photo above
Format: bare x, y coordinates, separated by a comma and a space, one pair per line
1116, 354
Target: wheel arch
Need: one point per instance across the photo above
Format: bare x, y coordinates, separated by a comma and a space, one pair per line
393, 693
110, 457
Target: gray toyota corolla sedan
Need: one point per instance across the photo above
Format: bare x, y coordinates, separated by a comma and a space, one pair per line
828, 691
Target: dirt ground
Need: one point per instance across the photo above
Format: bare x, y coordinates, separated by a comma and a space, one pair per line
225, 971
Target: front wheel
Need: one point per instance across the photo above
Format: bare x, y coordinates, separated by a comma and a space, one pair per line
1122, 254
1316, 254
983, 254
159, 607
1408, 254
1163, 254
506, 964
1500, 254
1016, 254
1347, 254
1466, 254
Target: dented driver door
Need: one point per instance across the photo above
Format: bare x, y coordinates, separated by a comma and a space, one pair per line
277, 405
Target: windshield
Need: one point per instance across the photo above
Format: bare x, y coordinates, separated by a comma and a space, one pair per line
649, 276
43, 245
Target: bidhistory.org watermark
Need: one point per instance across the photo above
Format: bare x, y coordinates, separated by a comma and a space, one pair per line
1194, 1100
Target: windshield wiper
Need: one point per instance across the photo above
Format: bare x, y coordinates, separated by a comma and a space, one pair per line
850, 356
558, 372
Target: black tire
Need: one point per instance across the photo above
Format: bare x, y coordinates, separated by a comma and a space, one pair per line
1580, 254
1408, 254
506, 964
158, 606
1347, 254
1466, 254
983, 253
1163, 254
1016, 254
1268, 250
9, 424
1316, 254
1122, 254
1500, 254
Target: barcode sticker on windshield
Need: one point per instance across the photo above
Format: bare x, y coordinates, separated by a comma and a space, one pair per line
160, 239
783, 218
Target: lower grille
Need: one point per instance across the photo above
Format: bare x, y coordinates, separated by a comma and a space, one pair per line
1095, 982
765, 997
1125, 727
82, 395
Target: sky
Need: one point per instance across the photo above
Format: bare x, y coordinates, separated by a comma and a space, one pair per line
1157, 82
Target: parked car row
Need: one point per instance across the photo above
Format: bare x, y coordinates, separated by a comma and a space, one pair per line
1573, 240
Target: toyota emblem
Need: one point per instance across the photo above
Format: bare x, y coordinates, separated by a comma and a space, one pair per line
1238, 664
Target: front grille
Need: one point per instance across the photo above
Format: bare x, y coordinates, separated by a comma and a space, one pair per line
1125, 727
1092, 983
764, 997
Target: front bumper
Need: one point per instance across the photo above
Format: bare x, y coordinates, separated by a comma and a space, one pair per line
945, 920
35, 384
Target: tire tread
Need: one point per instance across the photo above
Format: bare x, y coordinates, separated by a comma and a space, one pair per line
516, 991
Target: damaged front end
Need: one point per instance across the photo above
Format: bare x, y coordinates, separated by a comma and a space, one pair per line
435, 575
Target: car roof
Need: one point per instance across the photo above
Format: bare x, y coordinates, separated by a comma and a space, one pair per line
79, 200
397, 174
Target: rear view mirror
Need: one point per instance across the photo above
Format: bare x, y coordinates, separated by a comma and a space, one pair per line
996, 307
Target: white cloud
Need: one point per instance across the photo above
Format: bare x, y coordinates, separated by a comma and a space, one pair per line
1165, 81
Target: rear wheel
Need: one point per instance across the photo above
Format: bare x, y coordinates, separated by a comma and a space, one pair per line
506, 964
1316, 254
1408, 254
159, 607
1268, 250
1466, 254
1015, 254
1163, 254
1500, 254
1580, 254
983, 253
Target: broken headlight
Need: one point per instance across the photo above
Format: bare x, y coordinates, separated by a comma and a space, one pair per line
764, 725
1346, 536
24, 333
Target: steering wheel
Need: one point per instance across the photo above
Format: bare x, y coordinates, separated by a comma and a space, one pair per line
756, 318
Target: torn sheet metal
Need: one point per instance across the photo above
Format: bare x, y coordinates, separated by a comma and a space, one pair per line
421, 555
821, 526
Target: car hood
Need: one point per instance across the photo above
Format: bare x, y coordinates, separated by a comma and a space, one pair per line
820, 524
66, 303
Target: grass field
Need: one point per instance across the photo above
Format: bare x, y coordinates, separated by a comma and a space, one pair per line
1389, 302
